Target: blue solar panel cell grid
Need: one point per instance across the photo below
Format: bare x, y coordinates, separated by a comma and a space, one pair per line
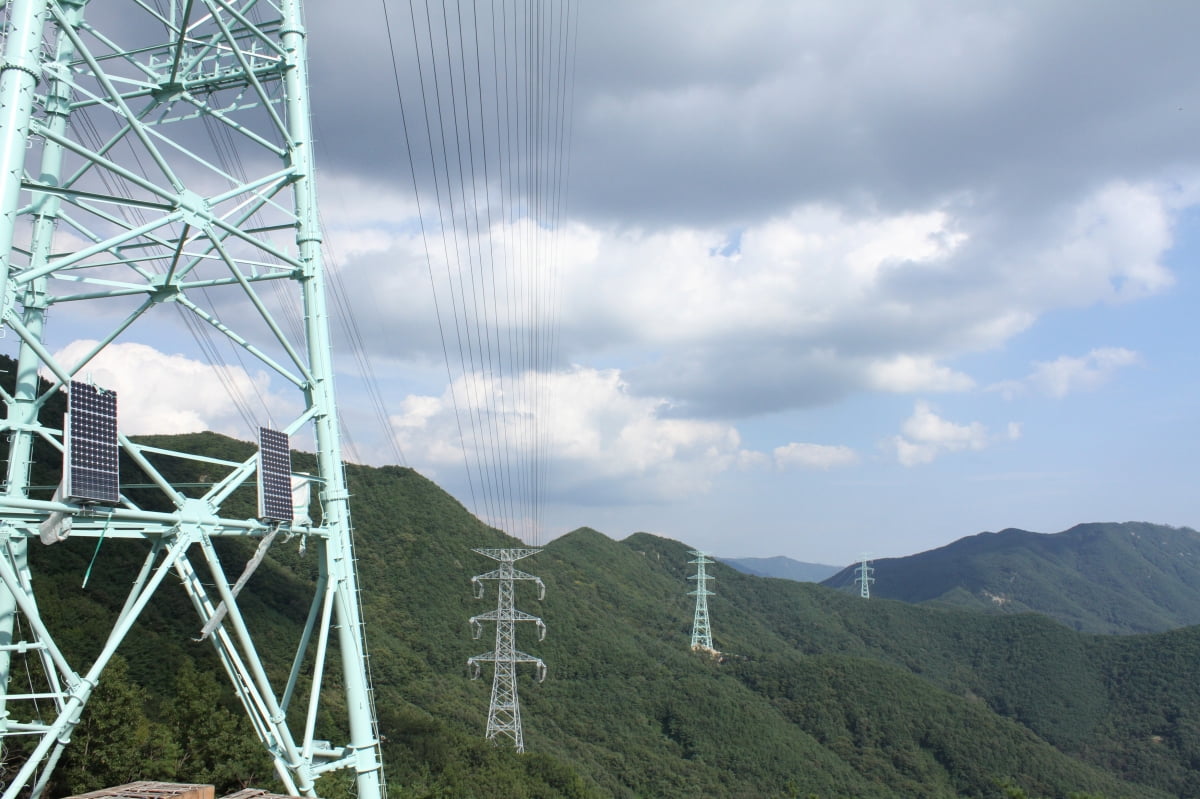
92, 449
274, 476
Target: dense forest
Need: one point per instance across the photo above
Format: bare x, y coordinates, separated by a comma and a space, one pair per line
1101, 578
815, 693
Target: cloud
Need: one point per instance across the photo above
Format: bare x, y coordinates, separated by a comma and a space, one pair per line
814, 456
608, 445
789, 312
1066, 375
972, 177
162, 394
925, 436
714, 117
907, 374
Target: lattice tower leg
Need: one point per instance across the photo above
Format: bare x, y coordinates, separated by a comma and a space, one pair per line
178, 225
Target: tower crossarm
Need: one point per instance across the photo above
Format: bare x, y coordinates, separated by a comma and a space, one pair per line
507, 576
509, 555
505, 615
501, 574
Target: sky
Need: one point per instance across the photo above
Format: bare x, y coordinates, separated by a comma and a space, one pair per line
835, 278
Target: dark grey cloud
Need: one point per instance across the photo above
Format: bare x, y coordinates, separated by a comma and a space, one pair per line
1010, 118
715, 114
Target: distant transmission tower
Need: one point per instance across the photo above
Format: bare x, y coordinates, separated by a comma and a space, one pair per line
159, 186
864, 578
504, 712
701, 630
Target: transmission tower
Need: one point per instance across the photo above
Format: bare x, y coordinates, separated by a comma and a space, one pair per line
158, 168
504, 712
864, 578
701, 631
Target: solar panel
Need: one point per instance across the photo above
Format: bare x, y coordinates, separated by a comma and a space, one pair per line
92, 473
274, 476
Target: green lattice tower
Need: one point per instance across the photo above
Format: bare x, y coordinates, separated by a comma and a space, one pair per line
504, 710
157, 167
701, 630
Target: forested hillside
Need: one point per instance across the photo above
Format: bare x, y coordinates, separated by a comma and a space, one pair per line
1102, 578
784, 567
816, 693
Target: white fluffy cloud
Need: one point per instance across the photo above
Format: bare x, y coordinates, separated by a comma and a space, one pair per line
603, 437
814, 456
925, 436
789, 312
159, 393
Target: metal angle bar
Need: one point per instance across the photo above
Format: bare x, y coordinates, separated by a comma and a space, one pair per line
28, 528
236, 338
61, 728
268, 105
310, 720
239, 676
33, 617
276, 181
180, 40
247, 572
259, 243
11, 319
255, 199
277, 719
226, 526
138, 128
92, 353
96, 158
254, 203
506, 574
231, 123
505, 615
75, 196
150, 288
310, 623
143, 575
255, 27
118, 258
87, 252
496, 553
232, 481
262, 309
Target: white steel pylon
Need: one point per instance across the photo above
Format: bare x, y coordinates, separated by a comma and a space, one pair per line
157, 184
701, 630
504, 712
864, 578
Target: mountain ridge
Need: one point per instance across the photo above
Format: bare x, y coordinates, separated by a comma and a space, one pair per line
1111, 578
784, 568
815, 693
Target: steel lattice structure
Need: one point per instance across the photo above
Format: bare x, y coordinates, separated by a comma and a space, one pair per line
504, 712
701, 630
864, 578
157, 164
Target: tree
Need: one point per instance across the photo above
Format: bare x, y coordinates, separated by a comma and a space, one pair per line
214, 744
115, 742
